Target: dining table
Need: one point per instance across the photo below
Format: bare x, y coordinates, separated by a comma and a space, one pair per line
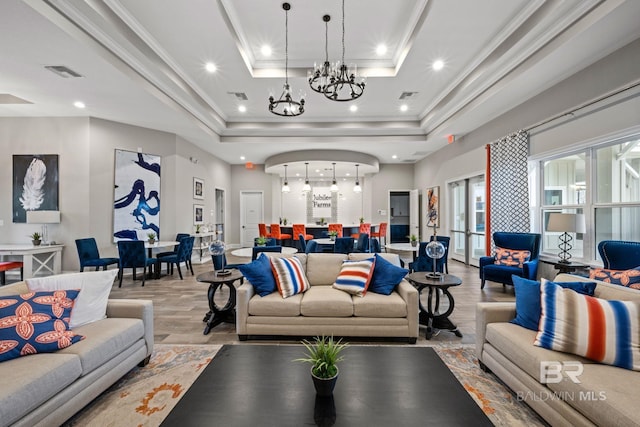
159, 244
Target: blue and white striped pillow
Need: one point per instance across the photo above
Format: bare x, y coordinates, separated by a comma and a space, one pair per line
355, 276
289, 276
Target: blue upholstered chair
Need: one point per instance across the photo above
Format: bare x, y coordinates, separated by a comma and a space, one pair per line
424, 262
375, 245
133, 255
256, 250
302, 243
502, 273
182, 254
619, 255
312, 246
362, 245
179, 237
343, 245
89, 255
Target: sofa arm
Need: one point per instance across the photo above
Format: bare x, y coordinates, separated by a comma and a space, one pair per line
530, 269
485, 260
244, 293
135, 309
410, 296
491, 312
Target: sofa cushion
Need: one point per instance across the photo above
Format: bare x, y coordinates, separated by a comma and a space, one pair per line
274, 305
105, 339
391, 257
95, 287
528, 307
259, 274
629, 278
322, 269
501, 273
602, 330
355, 276
377, 305
36, 322
511, 257
325, 301
386, 276
290, 276
28, 382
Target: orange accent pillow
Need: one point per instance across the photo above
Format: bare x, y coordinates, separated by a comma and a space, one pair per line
511, 257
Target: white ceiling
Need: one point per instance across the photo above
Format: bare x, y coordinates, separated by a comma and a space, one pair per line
142, 63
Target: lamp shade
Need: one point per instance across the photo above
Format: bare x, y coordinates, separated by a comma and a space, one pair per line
566, 222
43, 217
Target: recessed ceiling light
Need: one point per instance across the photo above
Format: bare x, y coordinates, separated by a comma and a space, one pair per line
381, 49
438, 64
317, 170
242, 108
394, 156
211, 67
404, 107
265, 50
79, 104
348, 174
242, 157
353, 108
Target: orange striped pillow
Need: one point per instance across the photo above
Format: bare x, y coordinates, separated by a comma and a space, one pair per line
289, 276
355, 276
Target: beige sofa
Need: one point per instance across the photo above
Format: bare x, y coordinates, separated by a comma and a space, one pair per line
47, 389
323, 310
605, 395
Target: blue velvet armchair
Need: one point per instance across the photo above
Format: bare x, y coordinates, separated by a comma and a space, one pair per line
619, 255
502, 273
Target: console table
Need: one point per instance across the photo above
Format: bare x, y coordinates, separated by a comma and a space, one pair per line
45, 258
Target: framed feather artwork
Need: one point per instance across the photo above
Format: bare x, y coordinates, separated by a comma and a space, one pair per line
136, 207
35, 184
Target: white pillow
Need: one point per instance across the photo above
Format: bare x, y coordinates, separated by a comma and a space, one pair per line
91, 304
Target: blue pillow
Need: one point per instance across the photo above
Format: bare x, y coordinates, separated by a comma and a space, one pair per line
386, 276
259, 273
528, 306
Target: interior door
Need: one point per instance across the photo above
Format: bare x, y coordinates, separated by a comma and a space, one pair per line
467, 210
414, 213
251, 213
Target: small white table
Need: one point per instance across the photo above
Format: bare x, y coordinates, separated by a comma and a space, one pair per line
158, 244
402, 247
248, 252
325, 241
50, 259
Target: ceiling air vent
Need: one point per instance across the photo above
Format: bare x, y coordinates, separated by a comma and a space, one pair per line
406, 95
62, 71
240, 96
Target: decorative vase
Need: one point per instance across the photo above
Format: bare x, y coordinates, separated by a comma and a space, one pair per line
324, 386
333, 238
152, 241
414, 243
36, 242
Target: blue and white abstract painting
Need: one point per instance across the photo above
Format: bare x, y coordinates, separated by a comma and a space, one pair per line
136, 208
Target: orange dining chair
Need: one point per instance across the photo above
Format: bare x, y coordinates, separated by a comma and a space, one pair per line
365, 228
301, 229
277, 234
336, 227
381, 233
262, 229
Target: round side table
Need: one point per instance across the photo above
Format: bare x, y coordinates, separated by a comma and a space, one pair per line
431, 317
217, 315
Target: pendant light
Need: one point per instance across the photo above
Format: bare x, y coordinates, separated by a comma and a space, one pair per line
357, 188
285, 187
306, 187
319, 76
334, 184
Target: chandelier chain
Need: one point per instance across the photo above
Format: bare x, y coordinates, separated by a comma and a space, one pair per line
343, 31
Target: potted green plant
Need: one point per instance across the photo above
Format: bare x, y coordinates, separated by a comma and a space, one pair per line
413, 239
361, 220
324, 355
333, 234
36, 238
284, 221
198, 226
261, 241
321, 221
152, 237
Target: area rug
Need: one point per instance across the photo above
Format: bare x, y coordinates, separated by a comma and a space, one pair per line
146, 395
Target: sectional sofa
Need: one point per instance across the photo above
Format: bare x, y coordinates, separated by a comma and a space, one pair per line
46, 389
604, 395
323, 310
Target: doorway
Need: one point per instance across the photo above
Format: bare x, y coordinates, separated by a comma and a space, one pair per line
219, 214
404, 215
467, 210
251, 213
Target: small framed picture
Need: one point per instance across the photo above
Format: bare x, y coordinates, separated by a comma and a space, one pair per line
198, 214
198, 188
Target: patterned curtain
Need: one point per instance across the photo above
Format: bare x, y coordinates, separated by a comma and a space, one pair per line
507, 185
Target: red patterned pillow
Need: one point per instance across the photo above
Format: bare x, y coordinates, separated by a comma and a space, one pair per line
511, 257
629, 278
37, 322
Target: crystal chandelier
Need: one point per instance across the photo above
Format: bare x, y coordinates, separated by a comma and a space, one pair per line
285, 186
357, 188
344, 84
334, 184
306, 187
286, 105
319, 76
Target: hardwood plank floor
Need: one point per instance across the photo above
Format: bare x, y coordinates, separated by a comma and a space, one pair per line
180, 305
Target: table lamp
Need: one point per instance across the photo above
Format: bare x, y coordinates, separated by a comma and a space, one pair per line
565, 223
435, 250
216, 248
44, 218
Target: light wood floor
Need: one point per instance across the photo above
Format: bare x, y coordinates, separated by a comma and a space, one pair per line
180, 305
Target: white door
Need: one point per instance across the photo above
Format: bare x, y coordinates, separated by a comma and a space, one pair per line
414, 214
467, 216
251, 213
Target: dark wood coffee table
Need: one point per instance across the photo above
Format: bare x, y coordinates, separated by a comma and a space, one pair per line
227, 313
260, 385
431, 316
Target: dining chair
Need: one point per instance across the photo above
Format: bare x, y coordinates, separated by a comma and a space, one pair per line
89, 255
375, 245
179, 237
381, 233
365, 228
262, 229
362, 245
257, 250
343, 245
337, 228
302, 242
183, 254
133, 255
277, 234
312, 246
